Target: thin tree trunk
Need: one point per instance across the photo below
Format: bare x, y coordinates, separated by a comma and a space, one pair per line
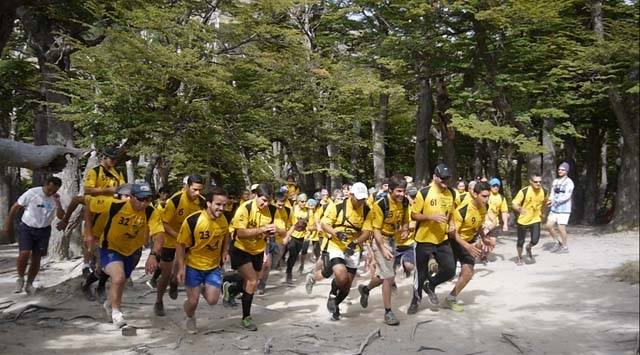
424, 117
549, 157
245, 165
478, 148
492, 159
355, 151
334, 167
604, 178
378, 129
447, 133
590, 180
131, 174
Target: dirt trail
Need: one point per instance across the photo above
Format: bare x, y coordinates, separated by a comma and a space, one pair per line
562, 304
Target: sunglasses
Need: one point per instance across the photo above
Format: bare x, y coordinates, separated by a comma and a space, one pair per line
495, 185
444, 178
536, 181
144, 199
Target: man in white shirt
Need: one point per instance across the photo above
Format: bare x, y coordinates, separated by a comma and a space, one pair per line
560, 203
34, 230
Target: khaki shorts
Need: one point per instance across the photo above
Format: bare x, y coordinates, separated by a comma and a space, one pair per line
384, 267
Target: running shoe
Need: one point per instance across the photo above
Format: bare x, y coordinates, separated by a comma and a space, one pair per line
191, 325
433, 298
556, 248
331, 303
19, 284
248, 324
394, 288
173, 290
118, 319
86, 271
158, 309
152, 283
563, 250
364, 296
335, 316
226, 296
309, 283
413, 308
29, 289
519, 261
289, 279
391, 319
452, 303
301, 270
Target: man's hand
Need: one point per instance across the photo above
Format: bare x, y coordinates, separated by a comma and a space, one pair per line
151, 265
62, 225
90, 241
505, 228
56, 198
387, 253
439, 218
404, 236
350, 249
180, 275
342, 236
269, 229
473, 250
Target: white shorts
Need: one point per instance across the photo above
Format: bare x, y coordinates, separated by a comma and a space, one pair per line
384, 269
350, 261
559, 218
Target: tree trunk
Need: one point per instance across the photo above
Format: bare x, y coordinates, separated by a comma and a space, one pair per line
549, 156
131, 174
276, 151
423, 128
378, 130
447, 133
149, 169
245, 165
478, 148
604, 177
492, 159
334, 167
517, 181
590, 180
355, 151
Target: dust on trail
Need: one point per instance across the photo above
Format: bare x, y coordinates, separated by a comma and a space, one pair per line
561, 304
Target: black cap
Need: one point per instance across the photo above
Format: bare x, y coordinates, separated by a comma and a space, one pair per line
110, 152
442, 171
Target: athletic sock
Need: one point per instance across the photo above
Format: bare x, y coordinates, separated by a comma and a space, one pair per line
247, 299
334, 288
342, 294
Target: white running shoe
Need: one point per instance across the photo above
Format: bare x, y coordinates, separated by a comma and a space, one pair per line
191, 325
19, 285
118, 319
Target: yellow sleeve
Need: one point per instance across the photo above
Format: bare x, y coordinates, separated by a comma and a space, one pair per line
368, 221
377, 218
184, 236
330, 215
503, 206
418, 203
91, 179
280, 221
155, 222
100, 205
241, 218
518, 199
168, 212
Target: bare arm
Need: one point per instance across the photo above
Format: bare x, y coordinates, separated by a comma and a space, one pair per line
169, 230
97, 191
8, 224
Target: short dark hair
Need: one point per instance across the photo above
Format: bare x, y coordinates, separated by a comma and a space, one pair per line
481, 186
264, 190
279, 196
53, 180
395, 181
194, 179
163, 190
534, 175
215, 191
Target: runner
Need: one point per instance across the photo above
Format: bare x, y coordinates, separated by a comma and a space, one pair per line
159, 206
469, 220
390, 220
405, 254
529, 202
275, 246
313, 238
254, 223
499, 210
179, 206
303, 223
461, 191
432, 209
39, 203
560, 202
201, 250
125, 232
347, 225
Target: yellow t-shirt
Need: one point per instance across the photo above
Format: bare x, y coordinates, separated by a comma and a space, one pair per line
101, 177
468, 219
203, 237
178, 207
344, 218
497, 206
99, 219
292, 189
532, 202
284, 214
125, 228
461, 197
302, 214
432, 201
248, 216
391, 222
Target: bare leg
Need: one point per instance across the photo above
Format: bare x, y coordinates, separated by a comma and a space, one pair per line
34, 268
465, 276
115, 270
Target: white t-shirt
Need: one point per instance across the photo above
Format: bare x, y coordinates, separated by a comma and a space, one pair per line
38, 208
561, 191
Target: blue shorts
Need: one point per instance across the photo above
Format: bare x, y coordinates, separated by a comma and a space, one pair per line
194, 278
405, 255
35, 240
129, 262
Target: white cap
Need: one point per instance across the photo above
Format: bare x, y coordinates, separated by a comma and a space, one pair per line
359, 190
254, 186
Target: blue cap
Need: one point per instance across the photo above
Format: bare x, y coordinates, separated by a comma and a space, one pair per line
312, 203
284, 188
494, 181
140, 190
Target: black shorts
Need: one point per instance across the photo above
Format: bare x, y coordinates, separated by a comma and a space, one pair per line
337, 261
241, 257
167, 255
35, 240
461, 254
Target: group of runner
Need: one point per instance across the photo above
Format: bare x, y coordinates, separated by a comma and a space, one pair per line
194, 233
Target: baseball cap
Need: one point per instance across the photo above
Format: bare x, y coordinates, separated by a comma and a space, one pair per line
359, 190
254, 187
412, 191
124, 189
312, 202
564, 166
494, 181
110, 152
141, 190
442, 171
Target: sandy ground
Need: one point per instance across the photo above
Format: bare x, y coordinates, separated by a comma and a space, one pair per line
561, 304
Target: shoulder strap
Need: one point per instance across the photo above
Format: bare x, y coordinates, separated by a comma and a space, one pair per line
113, 210
149, 211
192, 222
272, 210
524, 193
287, 211
249, 208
